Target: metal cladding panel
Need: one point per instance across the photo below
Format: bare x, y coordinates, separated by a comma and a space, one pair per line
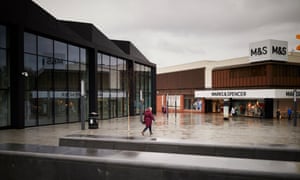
191, 79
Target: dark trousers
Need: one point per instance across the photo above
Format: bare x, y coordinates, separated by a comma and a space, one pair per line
145, 129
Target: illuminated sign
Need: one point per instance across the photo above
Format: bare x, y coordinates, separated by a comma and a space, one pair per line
228, 93
247, 94
268, 50
298, 37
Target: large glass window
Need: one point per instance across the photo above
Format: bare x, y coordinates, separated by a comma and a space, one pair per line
61, 90
74, 91
45, 46
2, 37
55, 70
30, 104
4, 76
143, 82
30, 43
82, 56
45, 93
105, 91
113, 63
138, 90
122, 88
105, 72
60, 50
4, 110
73, 53
112, 86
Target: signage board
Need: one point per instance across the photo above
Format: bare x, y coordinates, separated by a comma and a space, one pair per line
247, 94
266, 50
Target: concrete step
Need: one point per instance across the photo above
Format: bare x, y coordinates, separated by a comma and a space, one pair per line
36, 162
267, 152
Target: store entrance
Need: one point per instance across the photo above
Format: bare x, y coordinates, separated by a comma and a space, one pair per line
250, 108
214, 106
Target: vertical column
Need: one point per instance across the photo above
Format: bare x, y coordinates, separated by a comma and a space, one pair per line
295, 107
268, 108
203, 105
131, 87
17, 79
153, 89
92, 64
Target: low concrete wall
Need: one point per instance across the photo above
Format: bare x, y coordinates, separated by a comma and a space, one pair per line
268, 152
35, 162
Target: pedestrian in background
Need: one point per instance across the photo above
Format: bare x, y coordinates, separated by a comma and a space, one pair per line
278, 114
289, 113
148, 118
233, 111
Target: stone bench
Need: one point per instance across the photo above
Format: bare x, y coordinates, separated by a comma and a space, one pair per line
268, 152
36, 162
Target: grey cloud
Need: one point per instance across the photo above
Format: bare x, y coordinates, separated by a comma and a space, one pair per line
174, 31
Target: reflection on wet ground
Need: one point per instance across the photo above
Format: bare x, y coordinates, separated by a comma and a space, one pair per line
202, 128
241, 130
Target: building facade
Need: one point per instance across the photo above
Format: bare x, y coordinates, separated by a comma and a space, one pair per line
255, 86
178, 87
43, 61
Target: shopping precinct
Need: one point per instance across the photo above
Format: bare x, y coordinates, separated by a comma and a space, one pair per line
43, 61
266, 81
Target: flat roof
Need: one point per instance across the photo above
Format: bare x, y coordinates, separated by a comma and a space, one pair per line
293, 57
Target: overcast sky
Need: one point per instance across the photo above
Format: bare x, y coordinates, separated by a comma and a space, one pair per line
172, 32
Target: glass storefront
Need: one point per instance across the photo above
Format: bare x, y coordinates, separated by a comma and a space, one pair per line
52, 73
250, 108
143, 85
112, 79
4, 79
52, 87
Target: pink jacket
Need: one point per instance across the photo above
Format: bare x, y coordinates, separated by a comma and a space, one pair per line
148, 117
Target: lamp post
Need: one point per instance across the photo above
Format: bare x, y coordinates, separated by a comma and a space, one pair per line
295, 107
167, 109
175, 106
82, 108
141, 105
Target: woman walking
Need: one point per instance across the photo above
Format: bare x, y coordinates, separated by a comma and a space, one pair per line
148, 118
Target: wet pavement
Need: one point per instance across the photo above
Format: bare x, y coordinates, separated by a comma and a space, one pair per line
202, 128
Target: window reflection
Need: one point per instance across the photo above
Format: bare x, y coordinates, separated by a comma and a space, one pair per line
60, 50
113, 63
73, 53
30, 66
53, 85
4, 75
45, 46
112, 86
30, 101
82, 56
105, 61
143, 83
30, 43
2, 36
99, 59
4, 110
